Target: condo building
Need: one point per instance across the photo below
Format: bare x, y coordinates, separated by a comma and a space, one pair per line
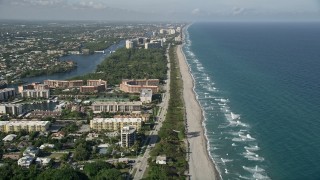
33, 93
34, 90
146, 95
126, 107
29, 126
128, 136
129, 44
7, 93
12, 109
94, 86
97, 83
135, 86
63, 84
114, 124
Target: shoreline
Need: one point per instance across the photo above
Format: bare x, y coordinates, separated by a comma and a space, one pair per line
201, 165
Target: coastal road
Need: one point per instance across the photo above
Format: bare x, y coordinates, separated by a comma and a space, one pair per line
142, 162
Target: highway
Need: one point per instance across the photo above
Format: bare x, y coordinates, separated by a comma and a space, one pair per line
142, 162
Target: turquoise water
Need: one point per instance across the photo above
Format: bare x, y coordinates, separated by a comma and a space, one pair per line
259, 87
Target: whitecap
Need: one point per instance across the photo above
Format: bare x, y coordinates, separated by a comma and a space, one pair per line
255, 169
252, 148
254, 158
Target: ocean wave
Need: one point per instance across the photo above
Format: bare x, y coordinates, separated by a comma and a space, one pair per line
217, 110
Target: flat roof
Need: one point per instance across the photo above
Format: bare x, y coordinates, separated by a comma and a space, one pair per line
115, 120
117, 103
19, 123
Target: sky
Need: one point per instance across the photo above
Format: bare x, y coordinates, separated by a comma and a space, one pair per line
161, 10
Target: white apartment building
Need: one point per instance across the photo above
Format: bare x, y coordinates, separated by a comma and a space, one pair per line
127, 107
128, 136
114, 124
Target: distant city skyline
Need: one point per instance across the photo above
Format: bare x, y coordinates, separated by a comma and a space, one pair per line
165, 10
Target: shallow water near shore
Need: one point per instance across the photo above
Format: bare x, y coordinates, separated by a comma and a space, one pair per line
258, 85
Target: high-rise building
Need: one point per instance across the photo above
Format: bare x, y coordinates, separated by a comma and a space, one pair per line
129, 44
7, 93
128, 136
12, 109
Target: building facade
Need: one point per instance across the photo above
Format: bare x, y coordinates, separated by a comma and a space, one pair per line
128, 136
29, 126
97, 83
12, 109
7, 93
33, 93
63, 84
94, 86
135, 86
126, 107
114, 124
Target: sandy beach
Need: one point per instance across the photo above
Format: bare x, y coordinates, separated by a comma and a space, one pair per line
200, 163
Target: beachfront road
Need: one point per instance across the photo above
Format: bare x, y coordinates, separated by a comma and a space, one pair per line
142, 162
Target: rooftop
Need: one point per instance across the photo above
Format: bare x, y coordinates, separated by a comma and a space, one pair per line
115, 120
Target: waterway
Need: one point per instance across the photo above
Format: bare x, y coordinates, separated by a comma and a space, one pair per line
86, 64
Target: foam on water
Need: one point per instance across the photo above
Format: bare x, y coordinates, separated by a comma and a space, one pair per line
231, 135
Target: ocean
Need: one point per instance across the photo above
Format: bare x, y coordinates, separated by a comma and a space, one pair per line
259, 88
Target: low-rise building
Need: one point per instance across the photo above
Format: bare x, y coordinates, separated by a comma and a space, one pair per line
43, 114
43, 161
9, 137
128, 136
161, 160
58, 135
31, 151
127, 107
13, 156
43, 146
29, 126
146, 95
25, 161
114, 124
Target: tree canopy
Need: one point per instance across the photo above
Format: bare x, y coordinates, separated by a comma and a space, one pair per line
131, 64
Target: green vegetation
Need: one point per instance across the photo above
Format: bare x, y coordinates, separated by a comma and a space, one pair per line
100, 45
172, 132
131, 63
60, 68
96, 170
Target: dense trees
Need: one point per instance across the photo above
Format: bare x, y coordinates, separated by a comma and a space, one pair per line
100, 45
172, 132
96, 170
82, 151
131, 63
63, 66
61, 174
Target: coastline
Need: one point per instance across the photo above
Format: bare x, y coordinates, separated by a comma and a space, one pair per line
201, 165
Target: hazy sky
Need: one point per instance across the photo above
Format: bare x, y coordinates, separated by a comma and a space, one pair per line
160, 9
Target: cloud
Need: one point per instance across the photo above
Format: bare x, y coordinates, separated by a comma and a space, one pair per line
72, 4
196, 11
238, 10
